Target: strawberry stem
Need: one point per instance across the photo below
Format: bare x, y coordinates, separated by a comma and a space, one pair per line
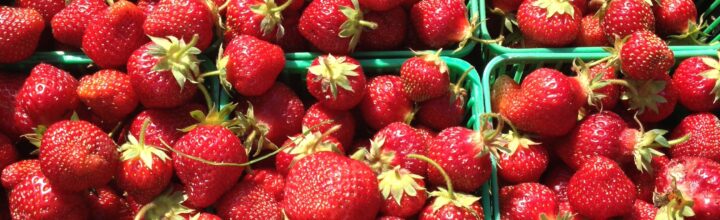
282, 7
206, 95
213, 163
460, 81
141, 213
143, 129
624, 83
437, 166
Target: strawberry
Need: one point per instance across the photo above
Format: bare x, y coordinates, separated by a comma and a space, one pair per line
695, 80
336, 82
644, 182
162, 72
105, 203
501, 91
596, 86
113, 34
147, 5
440, 23
687, 187
108, 93
10, 84
8, 154
249, 200
390, 32
590, 33
272, 181
47, 8
334, 26
403, 193
653, 100
165, 124
210, 140
526, 161
545, 104
380, 5
326, 185
385, 102
169, 205
263, 19
674, 16
301, 145
48, 95
445, 111
19, 33
624, 17
181, 19
425, 76
38, 198
293, 41
600, 190
642, 211
390, 147
506, 6
145, 170
703, 142
528, 201
644, 56
460, 151
20, 171
76, 155
203, 216
446, 201
550, 23
596, 135
251, 65
390, 218
68, 25
318, 118
557, 178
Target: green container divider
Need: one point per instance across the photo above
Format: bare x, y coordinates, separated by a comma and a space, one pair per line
296, 70
709, 8
473, 9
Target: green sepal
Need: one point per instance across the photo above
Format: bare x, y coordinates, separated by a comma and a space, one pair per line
352, 28
272, 16
35, 138
445, 197
554, 7
693, 36
713, 74
254, 132
378, 159
647, 97
176, 56
310, 142
398, 182
168, 206
135, 148
434, 57
515, 141
333, 72
674, 205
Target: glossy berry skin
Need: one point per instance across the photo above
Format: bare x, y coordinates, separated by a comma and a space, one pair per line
68, 25
113, 34
8, 154
442, 112
642, 211
390, 33
555, 31
253, 65
105, 203
285, 159
557, 178
402, 140
317, 117
600, 190
76, 155
674, 16
205, 183
272, 181
385, 102
695, 91
451, 212
280, 110
108, 93
37, 198
704, 142
425, 77
645, 56
182, 19
142, 182
249, 200
10, 84
46, 8
321, 23
625, 17
699, 182
591, 34
353, 193
345, 99
48, 95
241, 20
165, 124
456, 150
527, 164
19, 33
20, 171
596, 135
527, 201
440, 23
147, 6
409, 205
156, 89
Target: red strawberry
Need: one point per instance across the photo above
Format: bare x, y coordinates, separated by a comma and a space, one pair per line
19, 33
642, 211
38, 198
390, 147
695, 80
68, 25
550, 23
203, 216
390, 218
108, 93
47, 8
272, 181
145, 170
645, 56
447, 203
644, 183
304, 144
334, 26
210, 141
425, 76
10, 84
502, 90
390, 32
104, 203
444, 111
460, 151
330, 186
687, 187
624, 17
165, 124
181, 19
597, 86
506, 6
600, 190
259, 18
293, 41
596, 135
379, 5
591, 34
557, 178
654, 101
336, 82
385, 102
441, 23
249, 200
674, 16
318, 118
525, 162
8, 154
76, 155
20, 171
147, 5
113, 34
528, 201
703, 142
403, 193
48, 95
252, 65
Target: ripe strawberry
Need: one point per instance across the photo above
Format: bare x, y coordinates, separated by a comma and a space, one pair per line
161, 76
8, 154
105, 203
249, 200
528, 201
264, 19
38, 198
20, 171
108, 93
334, 26
550, 23
425, 76
46, 8
211, 141
642, 147
525, 162
506, 6
390, 147
19, 33
460, 151
318, 118
293, 41
447, 202
165, 124
68, 25
390, 32
202, 216
674, 16
10, 84
147, 6
695, 80
113, 34
301, 145
48, 95
252, 65
501, 92
330, 186
385, 102
76, 155
595, 84
645, 56
444, 111
600, 190
557, 178
379, 5
440, 23
145, 170
272, 181
644, 182
403, 193
596, 135
181, 19
545, 104
390, 218
590, 33
687, 186
336, 82
625, 17
703, 142
642, 211
654, 101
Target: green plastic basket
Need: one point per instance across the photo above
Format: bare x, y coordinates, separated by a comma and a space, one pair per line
707, 7
294, 76
473, 9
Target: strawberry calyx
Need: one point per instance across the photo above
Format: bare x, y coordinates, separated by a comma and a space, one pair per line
178, 57
614, 58
379, 160
333, 72
490, 139
35, 138
352, 28
447, 196
215, 117
168, 206
589, 84
645, 95
562, 216
217, 18
399, 182
457, 92
434, 58
311, 142
254, 131
272, 16
647, 143
713, 74
516, 140
694, 35
554, 7
674, 205
135, 148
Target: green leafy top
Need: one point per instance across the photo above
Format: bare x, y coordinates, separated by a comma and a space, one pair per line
333, 72
215, 117
378, 159
354, 24
178, 57
554, 7
445, 197
714, 74
675, 205
272, 16
694, 35
434, 57
589, 83
254, 132
516, 140
167, 206
138, 149
647, 95
398, 182
311, 142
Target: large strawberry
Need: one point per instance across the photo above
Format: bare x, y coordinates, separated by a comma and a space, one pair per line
688, 187
113, 34
600, 190
319, 118
165, 124
68, 25
19, 33
463, 154
526, 161
334, 26
105, 203
108, 93
425, 76
653, 100
621, 18
403, 193
326, 185
446, 201
440, 23
250, 65
696, 82
549, 22
302, 145
20, 171
385, 102
674, 16
392, 28
10, 84
596, 135
644, 56
390, 147
263, 19
145, 170
48, 95
38, 198
528, 201
703, 142
249, 200
591, 34
182, 19
336, 82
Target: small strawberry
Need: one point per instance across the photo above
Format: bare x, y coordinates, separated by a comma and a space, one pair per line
336, 82
47, 8
8, 153
549, 22
642, 211
653, 100
19, 33
501, 92
600, 190
249, 200
169, 205
403, 193
10, 84
688, 188
597, 86
105, 203
696, 82
390, 32
48, 95
591, 34
250, 65
318, 118
182, 19
528, 201
390, 147
440, 23
68, 25
108, 93
557, 178
263, 19
644, 56
624, 17
674, 16
334, 26
38, 198
165, 124
385, 102
447, 202
703, 142
462, 153
425, 76
302, 145
447, 110
113, 34
20, 171
526, 161
596, 135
